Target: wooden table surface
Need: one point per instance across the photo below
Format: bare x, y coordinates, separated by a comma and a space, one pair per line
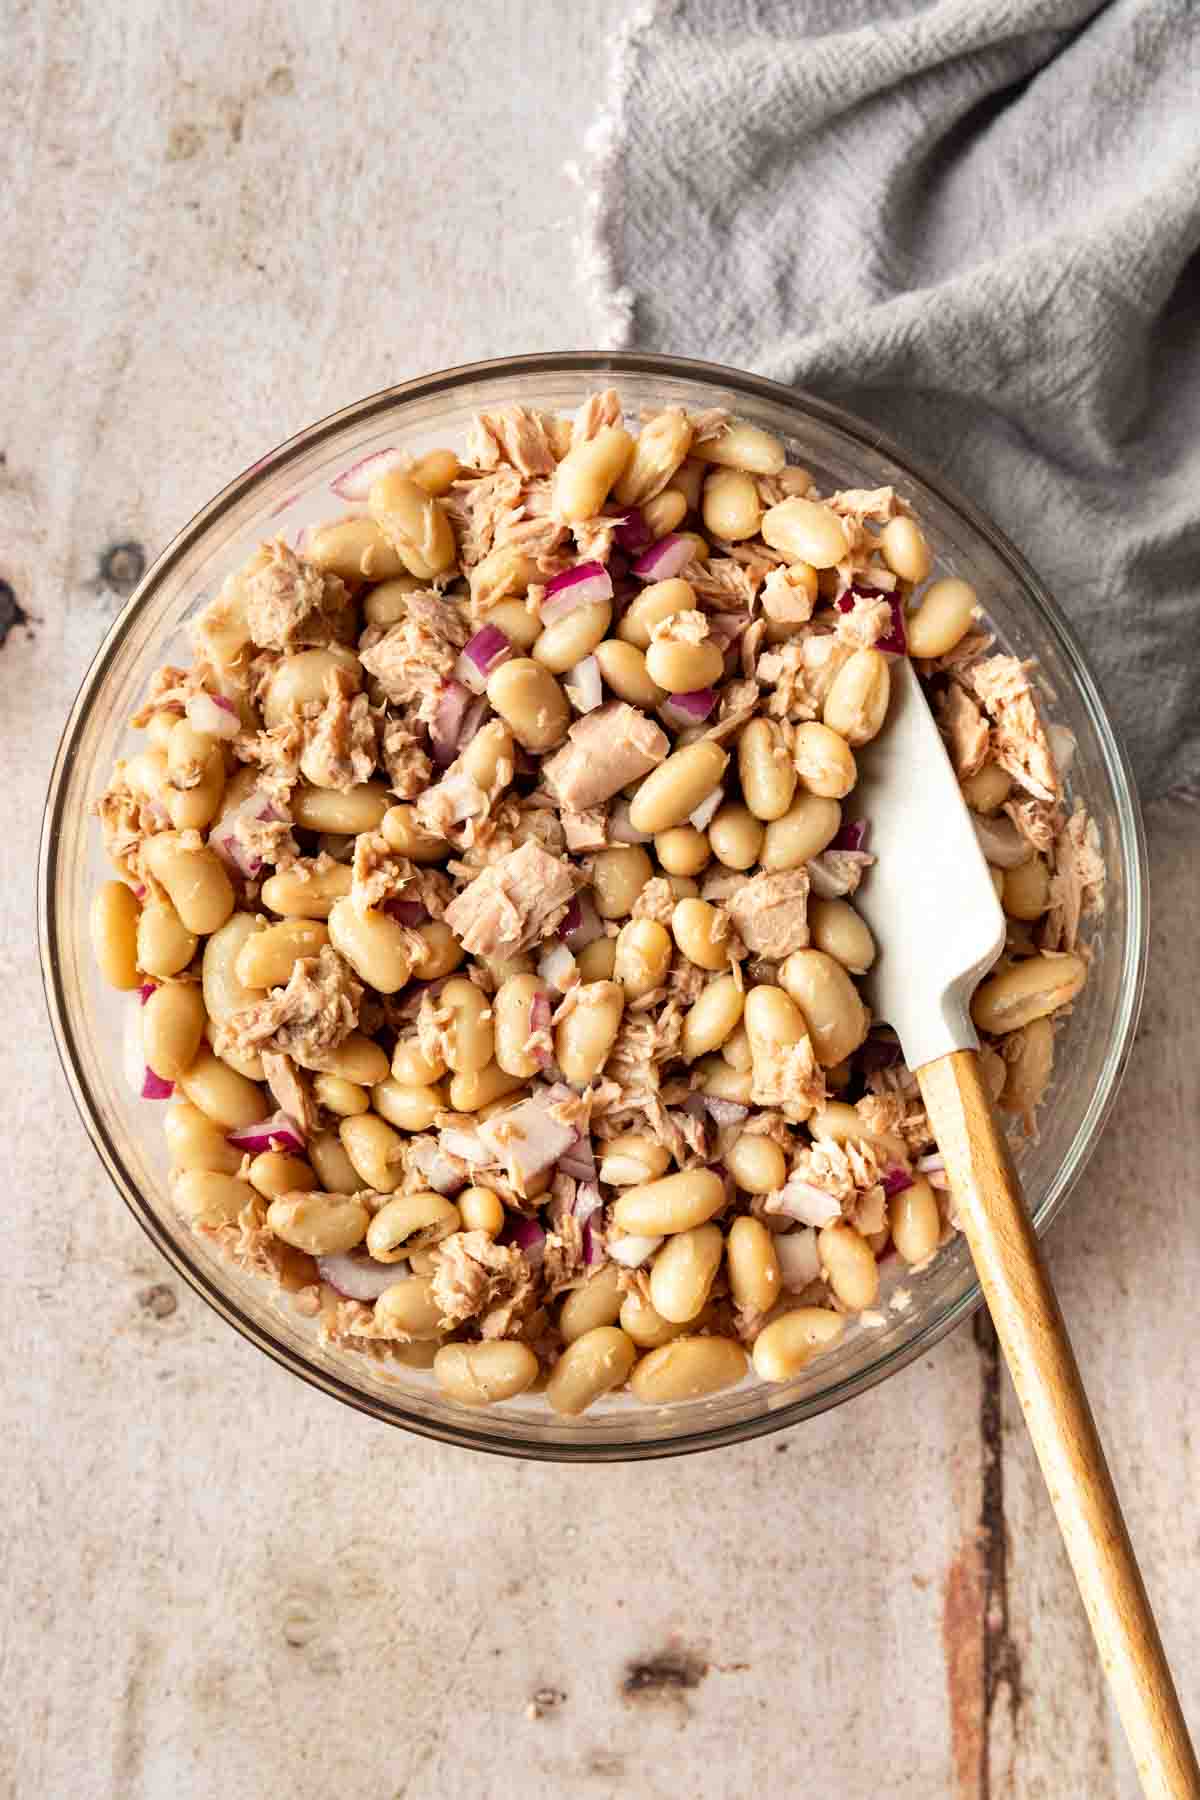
218, 224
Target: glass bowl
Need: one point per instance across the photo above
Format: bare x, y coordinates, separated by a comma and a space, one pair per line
288, 489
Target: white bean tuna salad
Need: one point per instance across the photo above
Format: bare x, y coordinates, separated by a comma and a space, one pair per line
487, 886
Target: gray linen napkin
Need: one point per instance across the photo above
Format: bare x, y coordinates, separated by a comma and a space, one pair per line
976, 223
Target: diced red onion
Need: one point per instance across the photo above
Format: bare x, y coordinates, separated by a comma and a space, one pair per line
1063, 744
356, 1276
668, 557
527, 1137
621, 828
579, 586
540, 1014
139, 892
213, 716
852, 836
528, 1236
474, 719
446, 731
556, 965
725, 1112
631, 1251
878, 1052
154, 1087
579, 1160
633, 533
354, 483
279, 1132
807, 1204
707, 810
930, 1165
483, 653
1002, 844
145, 991
582, 924
799, 1261
406, 912
617, 566
223, 836
587, 1199
689, 709
829, 882
583, 685
726, 628
445, 1173
463, 1144
895, 1181
592, 1253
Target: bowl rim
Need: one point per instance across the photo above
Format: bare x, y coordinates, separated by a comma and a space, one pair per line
584, 364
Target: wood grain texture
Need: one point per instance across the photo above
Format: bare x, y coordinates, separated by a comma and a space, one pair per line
218, 224
1037, 1349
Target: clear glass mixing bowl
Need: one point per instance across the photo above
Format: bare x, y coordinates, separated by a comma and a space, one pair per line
289, 488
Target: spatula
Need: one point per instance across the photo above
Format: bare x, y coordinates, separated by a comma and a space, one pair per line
930, 903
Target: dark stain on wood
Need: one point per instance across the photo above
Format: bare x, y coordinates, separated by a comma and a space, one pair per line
12, 613
983, 1666
158, 1300
666, 1677
1002, 1683
122, 566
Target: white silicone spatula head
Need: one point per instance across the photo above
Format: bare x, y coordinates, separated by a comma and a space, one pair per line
929, 899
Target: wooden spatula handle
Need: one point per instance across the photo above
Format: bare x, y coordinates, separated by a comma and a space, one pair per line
1042, 1363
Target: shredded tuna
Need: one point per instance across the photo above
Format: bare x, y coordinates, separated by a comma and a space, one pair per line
309, 1018
126, 821
513, 435
800, 673
965, 730
293, 605
597, 413
787, 1076
1076, 883
867, 621
785, 598
1019, 742
291, 1090
422, 646
402, 755
476, 1278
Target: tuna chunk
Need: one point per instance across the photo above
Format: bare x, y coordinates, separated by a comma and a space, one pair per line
293, 605
586, 830
1019, 740
604, 752
475, 1278
513, 903
408, 659
787, 1076
340, 743
291, 1089
408, 767
771, 913
306, 1020
965, 730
